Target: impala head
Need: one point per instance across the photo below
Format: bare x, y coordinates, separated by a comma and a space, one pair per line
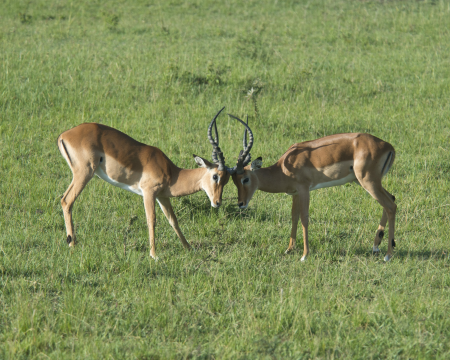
216, 176
243, 175
247, 183
213, 181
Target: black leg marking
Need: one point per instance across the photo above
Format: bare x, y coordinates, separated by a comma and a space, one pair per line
69, 239
381, 234
393, 243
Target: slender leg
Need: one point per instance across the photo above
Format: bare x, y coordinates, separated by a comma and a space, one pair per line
295, 213
149, 205
304, 218
166, 207
374, 188
380, 232
300, 209
80, 179
381, 228
391, 219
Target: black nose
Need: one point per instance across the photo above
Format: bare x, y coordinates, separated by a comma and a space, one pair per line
217, 203
241, 204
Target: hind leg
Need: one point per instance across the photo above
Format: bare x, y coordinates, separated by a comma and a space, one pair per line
384, 218
380, 233
372, 184
381, 228
80, 179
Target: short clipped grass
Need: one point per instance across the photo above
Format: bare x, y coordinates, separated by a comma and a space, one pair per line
159, 71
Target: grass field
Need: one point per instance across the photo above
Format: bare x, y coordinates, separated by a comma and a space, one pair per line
159, 71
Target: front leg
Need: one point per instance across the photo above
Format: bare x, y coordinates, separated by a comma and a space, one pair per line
300, 209
295, 214
304, 217
149, 205
166, 207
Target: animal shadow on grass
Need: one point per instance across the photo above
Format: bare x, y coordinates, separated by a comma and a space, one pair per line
254, 212
430, 254
17, 272
219, 237
344, 248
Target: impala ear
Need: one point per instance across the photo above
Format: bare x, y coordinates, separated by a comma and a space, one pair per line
256, 164
202, 162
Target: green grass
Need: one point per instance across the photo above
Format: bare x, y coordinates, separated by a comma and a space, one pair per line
159, 71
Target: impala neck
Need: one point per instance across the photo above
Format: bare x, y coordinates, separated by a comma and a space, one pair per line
187, 181
271, 179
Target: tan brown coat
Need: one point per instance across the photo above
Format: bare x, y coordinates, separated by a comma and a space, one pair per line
95, 149
329, 161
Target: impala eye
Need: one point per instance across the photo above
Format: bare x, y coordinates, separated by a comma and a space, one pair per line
246, 180
215, 178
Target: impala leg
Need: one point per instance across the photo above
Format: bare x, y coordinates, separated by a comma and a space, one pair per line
380, 232
304, 218
295, 213
381, 228
391, 218
149, 205
166, 207
389, 206
79, 181
300, 209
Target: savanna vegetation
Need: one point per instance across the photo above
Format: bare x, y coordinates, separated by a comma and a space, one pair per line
159, 71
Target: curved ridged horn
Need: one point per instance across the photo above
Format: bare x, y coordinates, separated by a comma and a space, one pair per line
217, 154
244, 155
244, 140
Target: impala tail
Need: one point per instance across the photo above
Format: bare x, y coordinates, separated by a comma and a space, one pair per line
63, 150
388, 163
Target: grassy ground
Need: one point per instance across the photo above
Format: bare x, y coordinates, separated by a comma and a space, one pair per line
159, 71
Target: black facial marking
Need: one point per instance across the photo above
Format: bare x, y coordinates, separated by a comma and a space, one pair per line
381, 234
393, 243
101, 159
69, 239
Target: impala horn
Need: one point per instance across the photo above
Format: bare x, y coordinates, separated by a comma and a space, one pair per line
244, 155
217, 154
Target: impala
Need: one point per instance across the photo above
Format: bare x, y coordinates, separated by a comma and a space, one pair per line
329, 161
95, 149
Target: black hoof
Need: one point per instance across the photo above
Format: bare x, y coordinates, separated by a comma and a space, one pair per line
69, 239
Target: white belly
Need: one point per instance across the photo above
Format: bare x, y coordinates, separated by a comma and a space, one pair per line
102, 175
341, 181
